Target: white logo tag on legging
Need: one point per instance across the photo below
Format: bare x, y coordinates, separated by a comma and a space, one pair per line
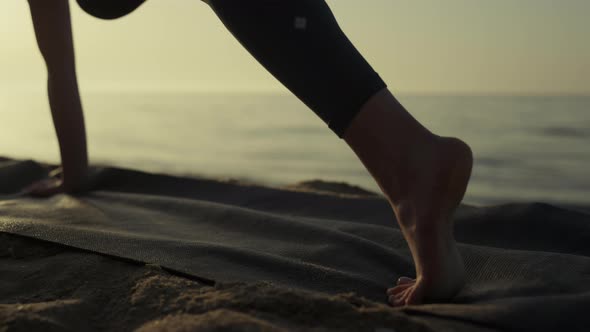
300, 23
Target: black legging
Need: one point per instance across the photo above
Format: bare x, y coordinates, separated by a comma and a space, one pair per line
300, 43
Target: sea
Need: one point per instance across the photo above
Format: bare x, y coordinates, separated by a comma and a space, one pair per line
527, 148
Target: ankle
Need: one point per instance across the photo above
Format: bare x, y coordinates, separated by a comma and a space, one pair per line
384, 122
383, 125
389, 142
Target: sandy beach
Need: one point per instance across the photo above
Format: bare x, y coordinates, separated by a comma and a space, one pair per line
152, 252
294, 166
46, 287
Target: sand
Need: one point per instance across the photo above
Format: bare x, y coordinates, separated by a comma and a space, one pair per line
48, 287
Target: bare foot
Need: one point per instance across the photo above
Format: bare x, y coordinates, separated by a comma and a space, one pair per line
424, 177
435, 181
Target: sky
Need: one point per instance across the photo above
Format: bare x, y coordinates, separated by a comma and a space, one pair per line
418, 46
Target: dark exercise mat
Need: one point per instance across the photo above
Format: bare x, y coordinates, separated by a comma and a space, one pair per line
528, 265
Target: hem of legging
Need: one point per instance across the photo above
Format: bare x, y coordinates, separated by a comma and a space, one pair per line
340, 124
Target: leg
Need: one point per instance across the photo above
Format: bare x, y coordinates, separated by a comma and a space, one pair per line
424, 176
300, 44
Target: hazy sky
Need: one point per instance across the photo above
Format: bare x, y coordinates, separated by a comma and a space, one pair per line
418, 46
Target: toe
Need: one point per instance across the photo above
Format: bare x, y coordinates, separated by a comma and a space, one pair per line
405, 280
398, 289
402, 298
396, 300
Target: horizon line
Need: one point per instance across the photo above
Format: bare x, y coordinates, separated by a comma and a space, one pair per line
131, 89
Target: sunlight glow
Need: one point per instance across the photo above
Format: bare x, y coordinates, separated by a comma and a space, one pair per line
425, 46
